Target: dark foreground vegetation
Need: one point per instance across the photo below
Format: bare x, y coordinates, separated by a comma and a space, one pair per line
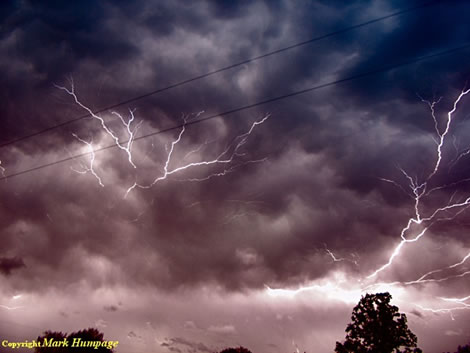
376, 327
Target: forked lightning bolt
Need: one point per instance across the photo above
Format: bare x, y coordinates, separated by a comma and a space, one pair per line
127, 146
458, 300
419, 190
426, 278
230, 158
226, 157
461, 302
451, 210
225, 171
89, 169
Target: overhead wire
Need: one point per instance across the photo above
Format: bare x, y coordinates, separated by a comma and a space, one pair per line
252, 105
222, 69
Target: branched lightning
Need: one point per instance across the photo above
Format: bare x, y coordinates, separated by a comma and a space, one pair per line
226, 171
442, 310
457, 300
443, 135
328, 289
89, 169
397, 185
415, 228
460, 155
419, 189
461, 301
226, 157
425, 278
432, 106
199, 148
426, 275
130, 133
340, 259
127, 146
229, 158
418, 224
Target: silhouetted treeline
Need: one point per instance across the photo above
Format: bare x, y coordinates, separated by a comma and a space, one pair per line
236, 350
462, 349
376, 327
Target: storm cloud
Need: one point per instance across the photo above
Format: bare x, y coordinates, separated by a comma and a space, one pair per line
316, 195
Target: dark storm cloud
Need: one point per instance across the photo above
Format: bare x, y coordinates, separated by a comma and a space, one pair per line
52, 35
8, 264
265, 223
411, 36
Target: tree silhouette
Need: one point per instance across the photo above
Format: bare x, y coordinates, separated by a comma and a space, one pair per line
81, 337
236, 350
464, 349
377, 327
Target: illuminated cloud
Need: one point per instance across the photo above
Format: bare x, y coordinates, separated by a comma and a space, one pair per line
266, 253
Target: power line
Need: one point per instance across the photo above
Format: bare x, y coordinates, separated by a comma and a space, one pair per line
263, 102
210, 73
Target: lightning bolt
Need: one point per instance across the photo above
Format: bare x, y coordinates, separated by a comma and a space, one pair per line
457, 300
89, 169
415, 228
340, 259
419, 189
126, 147
425, 278
198, 149
461, 155
229, 158
438, 311
338, 288
335, 259
450, 311
432, 106
461, 301
225, 171
226, 158
9, 308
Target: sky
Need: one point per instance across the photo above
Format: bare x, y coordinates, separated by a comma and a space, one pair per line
178, 222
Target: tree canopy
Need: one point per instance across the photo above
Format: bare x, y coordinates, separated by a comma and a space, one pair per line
377, 327
236, 350
464, 349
